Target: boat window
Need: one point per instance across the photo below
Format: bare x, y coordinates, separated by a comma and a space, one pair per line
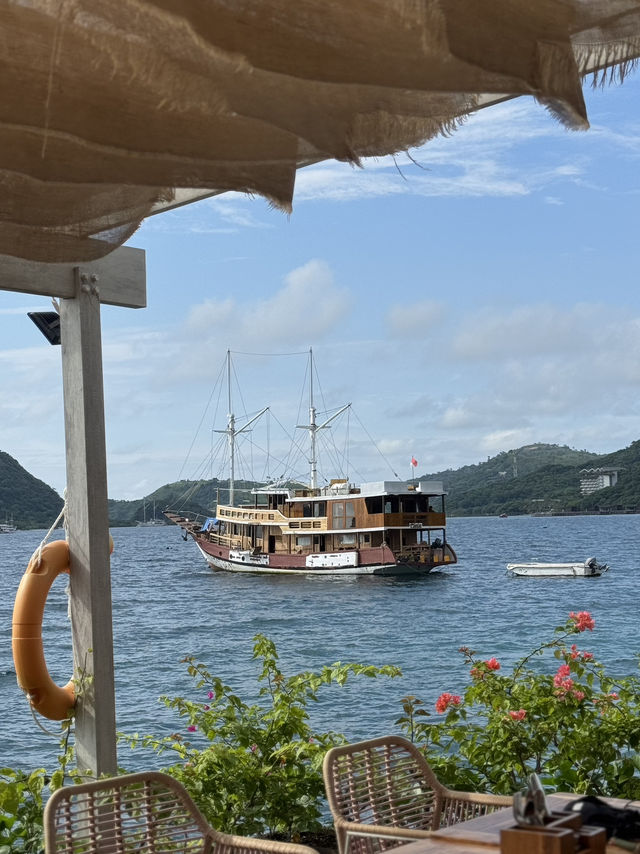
347, 539
320, 508
307, 509
409, 504
374, 504
303, 541
338, 514
349, 515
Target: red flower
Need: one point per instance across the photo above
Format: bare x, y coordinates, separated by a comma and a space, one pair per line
575, 653
520, 715
493, 664
582, 620
579, 695
561, 680
563, 671
192, 728
445, 700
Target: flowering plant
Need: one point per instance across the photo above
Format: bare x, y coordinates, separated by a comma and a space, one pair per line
576, 727
255, 769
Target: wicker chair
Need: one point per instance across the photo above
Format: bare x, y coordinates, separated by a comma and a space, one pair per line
382, 793
146, 813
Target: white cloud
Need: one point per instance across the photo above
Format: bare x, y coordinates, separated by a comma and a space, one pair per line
307, 307
419, 317
532, 330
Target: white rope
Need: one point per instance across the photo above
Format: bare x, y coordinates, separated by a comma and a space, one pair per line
61, 515
33, 713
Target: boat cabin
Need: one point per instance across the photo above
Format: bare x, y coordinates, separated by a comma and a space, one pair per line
340, 516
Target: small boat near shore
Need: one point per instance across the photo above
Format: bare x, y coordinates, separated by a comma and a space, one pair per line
589, 568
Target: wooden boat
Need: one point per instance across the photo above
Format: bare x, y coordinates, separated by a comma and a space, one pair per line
590, 567
381, 528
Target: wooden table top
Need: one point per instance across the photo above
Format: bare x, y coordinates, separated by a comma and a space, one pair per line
482, 835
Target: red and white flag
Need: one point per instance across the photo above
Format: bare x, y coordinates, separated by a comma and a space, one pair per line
414, 462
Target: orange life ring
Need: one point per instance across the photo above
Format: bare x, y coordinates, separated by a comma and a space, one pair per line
45, 696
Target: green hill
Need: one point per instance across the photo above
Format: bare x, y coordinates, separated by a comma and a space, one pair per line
541, 478
533, 479
24, 498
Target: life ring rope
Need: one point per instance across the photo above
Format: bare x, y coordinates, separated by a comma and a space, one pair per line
61, 515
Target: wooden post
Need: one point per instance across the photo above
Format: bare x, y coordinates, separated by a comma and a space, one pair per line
117, 279
88, 526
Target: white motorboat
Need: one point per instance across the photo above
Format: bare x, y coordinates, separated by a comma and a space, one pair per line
590, 567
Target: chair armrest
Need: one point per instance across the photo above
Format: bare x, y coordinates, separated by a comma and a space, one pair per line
487, 798
246, 844
347, 829
463, 806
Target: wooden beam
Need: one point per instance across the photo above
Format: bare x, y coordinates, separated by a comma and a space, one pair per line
88, 528
120, 277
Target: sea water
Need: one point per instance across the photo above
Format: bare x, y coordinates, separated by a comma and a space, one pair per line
167, 604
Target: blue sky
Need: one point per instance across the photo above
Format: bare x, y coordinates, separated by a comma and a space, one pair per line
480, 299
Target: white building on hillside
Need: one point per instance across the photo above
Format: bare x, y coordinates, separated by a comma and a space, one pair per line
591, 480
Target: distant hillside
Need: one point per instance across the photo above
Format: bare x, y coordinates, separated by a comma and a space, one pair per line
540, 478
532, 479
24, 498
192, 496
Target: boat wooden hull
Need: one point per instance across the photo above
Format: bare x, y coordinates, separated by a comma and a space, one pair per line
220, 558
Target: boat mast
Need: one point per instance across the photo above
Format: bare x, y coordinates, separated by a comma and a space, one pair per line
232, 432
313, 427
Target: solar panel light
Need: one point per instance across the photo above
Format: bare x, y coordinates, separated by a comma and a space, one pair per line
48, 322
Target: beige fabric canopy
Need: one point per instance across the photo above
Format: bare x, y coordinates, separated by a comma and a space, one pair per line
110, 108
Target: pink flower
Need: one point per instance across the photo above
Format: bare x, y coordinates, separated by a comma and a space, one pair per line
520, 715
445, 700
561, 680
579, 695
613, 695
192, 728
493, 664
210, 695
254, 748
575, 653
582, 620
206, 708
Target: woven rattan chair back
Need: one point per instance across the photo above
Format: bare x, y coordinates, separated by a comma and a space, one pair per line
145, 813
382, 792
